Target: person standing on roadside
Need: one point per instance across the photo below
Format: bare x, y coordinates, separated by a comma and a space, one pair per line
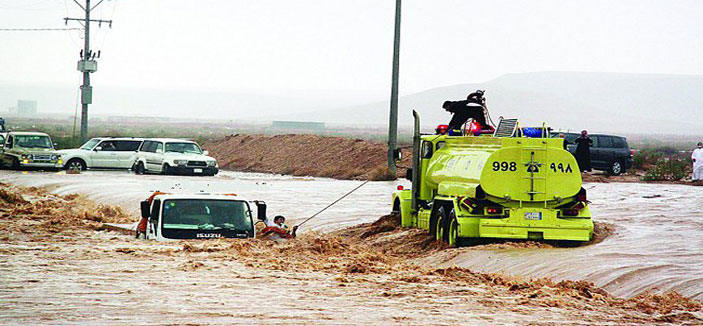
583, 151
697, 158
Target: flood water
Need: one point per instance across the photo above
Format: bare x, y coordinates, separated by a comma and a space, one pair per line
657, 244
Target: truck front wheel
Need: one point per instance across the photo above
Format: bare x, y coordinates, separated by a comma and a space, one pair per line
397, 213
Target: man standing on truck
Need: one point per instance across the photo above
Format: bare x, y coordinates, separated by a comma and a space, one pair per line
462, 111
697, 158
583, 151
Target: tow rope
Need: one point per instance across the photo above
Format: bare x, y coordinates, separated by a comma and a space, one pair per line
336, 201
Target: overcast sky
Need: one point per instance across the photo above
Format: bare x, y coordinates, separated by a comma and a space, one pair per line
318, 46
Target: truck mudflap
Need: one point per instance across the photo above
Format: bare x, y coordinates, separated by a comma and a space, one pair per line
536, 224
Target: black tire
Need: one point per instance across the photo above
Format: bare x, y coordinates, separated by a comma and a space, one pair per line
616, 168
451, 235
440, 225
139, 168
396, 212
166, 169
15, 165
76, 164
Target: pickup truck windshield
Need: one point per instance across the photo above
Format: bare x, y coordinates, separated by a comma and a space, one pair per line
33, 141
206, 214
90, 144
183, 148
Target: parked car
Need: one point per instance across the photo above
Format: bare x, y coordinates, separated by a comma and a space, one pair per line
102, 153
173, 156
609, 153
29, 150
3, 136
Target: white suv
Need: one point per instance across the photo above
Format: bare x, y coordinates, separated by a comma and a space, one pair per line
173, 156
102, 153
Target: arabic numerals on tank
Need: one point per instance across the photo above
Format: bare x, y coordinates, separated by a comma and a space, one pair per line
504, 166
561, 168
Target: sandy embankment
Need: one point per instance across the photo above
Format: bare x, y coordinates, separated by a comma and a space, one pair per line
56, 266
305, 155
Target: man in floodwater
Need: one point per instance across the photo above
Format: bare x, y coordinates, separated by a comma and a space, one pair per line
278, 229
583, 151
697, 158
462, 111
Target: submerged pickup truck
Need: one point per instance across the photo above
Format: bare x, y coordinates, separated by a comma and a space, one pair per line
197, 216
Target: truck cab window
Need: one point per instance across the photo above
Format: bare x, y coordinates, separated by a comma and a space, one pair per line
426, 149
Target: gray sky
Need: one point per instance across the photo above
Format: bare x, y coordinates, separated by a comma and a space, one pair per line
325, 46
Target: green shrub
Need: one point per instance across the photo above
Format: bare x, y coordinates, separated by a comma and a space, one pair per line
668, 169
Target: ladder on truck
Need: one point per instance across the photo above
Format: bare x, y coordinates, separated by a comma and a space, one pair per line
506, 128
536, 169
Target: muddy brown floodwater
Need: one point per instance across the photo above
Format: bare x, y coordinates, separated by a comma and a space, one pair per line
77, 274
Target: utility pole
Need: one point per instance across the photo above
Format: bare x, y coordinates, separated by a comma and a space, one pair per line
393, 120
87, 63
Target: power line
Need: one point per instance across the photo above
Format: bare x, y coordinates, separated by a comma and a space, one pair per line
38, 29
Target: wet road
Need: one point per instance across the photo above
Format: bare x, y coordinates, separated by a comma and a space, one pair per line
656, 246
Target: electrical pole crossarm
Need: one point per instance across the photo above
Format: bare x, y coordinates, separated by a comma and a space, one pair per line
99, 21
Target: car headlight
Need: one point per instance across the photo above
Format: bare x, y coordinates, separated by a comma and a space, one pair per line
211, 163
55, 157
26, 157
180, 162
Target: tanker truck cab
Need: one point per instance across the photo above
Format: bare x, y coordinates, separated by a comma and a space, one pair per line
517, 183
197, 216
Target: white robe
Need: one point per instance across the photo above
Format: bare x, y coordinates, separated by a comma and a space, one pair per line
698, 164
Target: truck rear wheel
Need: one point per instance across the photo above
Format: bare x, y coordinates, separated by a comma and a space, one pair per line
439, 230
440, 224
452, 233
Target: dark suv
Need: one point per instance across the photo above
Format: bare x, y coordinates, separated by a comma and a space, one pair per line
608, 153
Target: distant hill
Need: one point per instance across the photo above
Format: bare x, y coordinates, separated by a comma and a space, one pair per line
602, 102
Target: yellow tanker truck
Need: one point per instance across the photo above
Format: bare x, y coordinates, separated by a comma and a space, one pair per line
507, 185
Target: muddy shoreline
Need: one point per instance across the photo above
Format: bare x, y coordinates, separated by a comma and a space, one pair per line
56, 260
